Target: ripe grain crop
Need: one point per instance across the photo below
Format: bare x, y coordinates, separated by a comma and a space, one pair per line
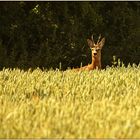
56, 104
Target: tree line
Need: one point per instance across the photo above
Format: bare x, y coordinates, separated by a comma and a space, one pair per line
47, 34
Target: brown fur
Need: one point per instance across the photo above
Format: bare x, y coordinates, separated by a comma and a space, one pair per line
96, 54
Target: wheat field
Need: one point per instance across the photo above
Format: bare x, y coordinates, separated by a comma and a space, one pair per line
67, 104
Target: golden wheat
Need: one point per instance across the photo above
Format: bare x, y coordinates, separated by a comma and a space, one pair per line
56, 104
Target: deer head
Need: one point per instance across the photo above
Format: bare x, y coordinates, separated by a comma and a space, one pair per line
96, 47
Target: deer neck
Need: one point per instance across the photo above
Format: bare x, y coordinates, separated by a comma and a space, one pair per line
96, 62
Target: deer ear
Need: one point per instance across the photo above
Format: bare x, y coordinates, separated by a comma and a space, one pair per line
90, 43
102, 42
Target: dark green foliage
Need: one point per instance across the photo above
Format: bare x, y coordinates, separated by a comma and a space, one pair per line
45, 34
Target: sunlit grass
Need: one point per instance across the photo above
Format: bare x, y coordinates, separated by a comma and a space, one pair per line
56, 104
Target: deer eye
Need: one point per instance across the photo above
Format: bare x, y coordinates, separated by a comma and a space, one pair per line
98, 49
92, 49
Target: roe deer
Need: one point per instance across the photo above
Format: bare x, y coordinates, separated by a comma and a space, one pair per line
96, 54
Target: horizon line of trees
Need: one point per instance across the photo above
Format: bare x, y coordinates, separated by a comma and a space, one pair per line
47, 34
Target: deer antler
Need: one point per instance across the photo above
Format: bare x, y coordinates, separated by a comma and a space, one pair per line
92, 38
99, 39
